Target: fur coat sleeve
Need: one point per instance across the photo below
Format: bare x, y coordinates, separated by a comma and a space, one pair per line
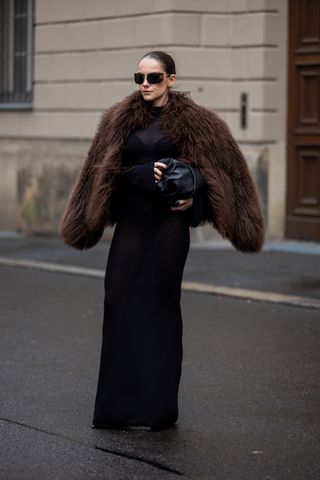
235, 207
203, 140
74, 228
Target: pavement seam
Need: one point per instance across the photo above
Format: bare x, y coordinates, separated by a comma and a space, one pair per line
149, 462
196, 287
153, 463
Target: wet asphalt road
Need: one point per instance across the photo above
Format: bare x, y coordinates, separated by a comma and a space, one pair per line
249, 395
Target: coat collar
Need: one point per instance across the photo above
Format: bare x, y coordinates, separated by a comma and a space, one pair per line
135, 112
178, 117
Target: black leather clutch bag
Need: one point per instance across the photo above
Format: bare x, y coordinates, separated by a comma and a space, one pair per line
179, 181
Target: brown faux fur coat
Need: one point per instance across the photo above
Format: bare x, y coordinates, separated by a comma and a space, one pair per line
203, 140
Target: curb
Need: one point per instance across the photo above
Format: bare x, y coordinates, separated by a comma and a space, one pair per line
197, 287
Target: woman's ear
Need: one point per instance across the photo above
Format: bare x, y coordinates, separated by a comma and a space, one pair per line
172, 80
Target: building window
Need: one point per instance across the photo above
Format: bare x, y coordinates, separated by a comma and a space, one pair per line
16, 39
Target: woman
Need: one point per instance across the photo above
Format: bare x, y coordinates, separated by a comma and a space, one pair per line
141, 356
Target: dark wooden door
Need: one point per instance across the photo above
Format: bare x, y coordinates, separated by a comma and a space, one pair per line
303, 161
2, 45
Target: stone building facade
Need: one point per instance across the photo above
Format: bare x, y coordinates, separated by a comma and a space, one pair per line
231, 55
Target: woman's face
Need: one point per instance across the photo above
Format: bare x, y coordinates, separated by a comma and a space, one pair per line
156, 93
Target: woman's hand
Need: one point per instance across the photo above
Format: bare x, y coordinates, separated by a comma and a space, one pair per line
180, 204
158, 167
183, 204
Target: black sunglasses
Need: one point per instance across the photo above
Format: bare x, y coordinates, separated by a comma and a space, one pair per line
154, 77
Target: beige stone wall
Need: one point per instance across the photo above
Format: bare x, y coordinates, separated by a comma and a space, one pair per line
35, 176
86, 52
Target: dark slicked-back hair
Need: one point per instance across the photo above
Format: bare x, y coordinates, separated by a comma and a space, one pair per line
164, 58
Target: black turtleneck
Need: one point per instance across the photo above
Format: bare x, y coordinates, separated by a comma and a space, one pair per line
145, 146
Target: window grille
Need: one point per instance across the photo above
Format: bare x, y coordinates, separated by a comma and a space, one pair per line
16, 38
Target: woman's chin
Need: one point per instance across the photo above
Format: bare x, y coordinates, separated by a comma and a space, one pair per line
147, 98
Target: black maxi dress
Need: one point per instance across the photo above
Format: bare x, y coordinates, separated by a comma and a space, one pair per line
141, 354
